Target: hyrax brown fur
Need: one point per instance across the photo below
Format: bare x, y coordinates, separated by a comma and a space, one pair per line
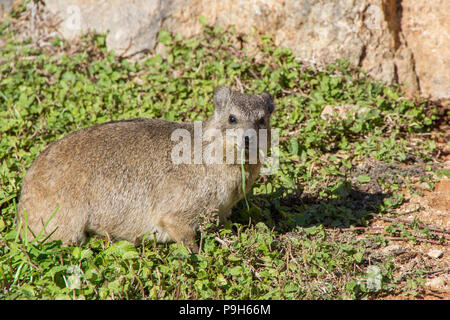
118, 179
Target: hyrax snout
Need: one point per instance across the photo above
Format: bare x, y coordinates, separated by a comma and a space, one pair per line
127, 178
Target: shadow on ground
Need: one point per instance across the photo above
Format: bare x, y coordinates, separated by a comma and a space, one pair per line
349, 203
283, 211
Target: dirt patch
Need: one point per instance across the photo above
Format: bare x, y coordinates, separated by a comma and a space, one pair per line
433, 209
438, 203
427, 295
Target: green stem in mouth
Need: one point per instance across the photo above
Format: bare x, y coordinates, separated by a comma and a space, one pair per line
243, 179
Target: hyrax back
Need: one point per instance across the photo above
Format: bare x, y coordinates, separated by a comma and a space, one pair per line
119, 179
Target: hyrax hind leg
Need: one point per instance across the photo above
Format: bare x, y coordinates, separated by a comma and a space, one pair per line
59, 224
180, 230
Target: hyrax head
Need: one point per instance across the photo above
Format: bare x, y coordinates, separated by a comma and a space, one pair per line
244, 121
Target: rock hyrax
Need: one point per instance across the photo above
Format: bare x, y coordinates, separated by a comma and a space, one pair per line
120, 179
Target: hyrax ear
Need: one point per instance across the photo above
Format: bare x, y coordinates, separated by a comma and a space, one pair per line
221, 96
267, 97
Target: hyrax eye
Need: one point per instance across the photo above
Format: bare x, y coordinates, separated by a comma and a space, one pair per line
261, 122
232, 119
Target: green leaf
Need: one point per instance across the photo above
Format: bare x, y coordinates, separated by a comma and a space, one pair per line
358, 257
363, 179
123, 249
165, 37
291, 287
76, 253
235, 271
180, 251
202, 20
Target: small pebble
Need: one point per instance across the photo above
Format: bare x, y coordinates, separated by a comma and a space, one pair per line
435, 253
393, 249
437, 283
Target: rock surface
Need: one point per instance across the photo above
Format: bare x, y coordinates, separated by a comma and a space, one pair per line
133, 25
341, 111
6, 6
426, 27
404, 41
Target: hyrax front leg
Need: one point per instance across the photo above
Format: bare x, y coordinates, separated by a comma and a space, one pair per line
181, 230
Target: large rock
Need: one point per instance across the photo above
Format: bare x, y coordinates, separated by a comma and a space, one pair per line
132, 24
426, 27
393, 40
365, 32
